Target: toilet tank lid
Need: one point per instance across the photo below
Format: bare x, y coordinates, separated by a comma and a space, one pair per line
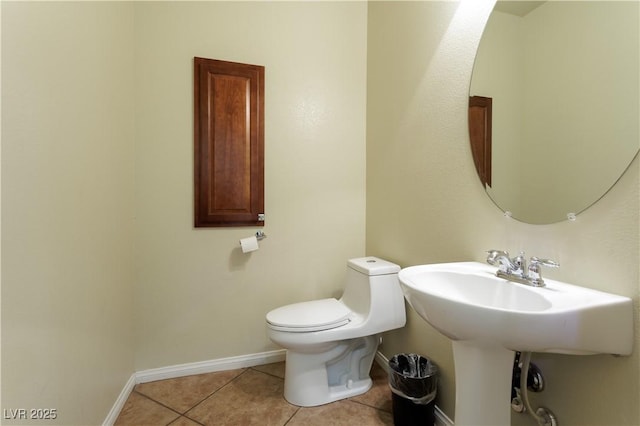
373, 266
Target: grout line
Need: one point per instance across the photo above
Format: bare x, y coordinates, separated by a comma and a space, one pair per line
244, 370
193, 420
159, 403
292, 416
268, 374
186, 417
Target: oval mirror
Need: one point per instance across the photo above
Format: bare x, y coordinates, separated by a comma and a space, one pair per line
554, 112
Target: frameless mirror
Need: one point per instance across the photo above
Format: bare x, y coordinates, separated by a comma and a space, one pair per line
559, 117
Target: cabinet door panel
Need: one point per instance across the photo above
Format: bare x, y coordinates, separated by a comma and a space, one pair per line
228, 143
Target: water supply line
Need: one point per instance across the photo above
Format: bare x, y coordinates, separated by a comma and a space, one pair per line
543, 416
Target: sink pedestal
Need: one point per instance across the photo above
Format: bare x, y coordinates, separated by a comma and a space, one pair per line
483, 383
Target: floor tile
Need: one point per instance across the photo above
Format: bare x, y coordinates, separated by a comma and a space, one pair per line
140, 410
251, 396
275, 369
379, 396
341, 413
184, 421
182, 393
254, 398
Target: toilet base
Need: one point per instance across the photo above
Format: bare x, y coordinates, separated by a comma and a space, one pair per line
337, 373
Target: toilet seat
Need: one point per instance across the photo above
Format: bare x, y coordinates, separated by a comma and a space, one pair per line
316, 315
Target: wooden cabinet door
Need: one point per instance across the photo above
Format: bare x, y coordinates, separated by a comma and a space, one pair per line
228, 143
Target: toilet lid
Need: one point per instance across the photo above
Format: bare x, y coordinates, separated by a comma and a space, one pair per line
315, 315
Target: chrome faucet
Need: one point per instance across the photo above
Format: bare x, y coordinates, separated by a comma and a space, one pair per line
515, 269
520, 265
500, 257
535, 270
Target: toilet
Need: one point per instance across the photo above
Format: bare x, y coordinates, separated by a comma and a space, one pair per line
331, 343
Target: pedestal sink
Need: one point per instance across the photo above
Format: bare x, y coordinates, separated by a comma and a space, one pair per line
488, 318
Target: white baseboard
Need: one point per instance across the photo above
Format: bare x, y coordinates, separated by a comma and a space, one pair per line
122, 398
221, 364
210, 366
441, 418
181, 370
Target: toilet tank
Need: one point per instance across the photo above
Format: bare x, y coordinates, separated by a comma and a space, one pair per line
373, 292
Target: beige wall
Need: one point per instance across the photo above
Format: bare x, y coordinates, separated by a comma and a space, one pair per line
72, 256
425, 205
197, 296
67, 207
91, 89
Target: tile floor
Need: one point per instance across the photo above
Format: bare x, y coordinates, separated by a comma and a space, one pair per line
248, 396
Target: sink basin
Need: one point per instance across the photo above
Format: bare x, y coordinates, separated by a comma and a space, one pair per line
488, 318
467, 301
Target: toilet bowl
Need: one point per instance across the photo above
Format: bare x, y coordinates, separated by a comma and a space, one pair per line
331, 343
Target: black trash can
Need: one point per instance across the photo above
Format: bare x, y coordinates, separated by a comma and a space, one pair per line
413, 380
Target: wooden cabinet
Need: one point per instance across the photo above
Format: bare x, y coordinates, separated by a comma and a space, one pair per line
228, 143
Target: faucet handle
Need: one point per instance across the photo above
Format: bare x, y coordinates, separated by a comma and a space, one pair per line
535, 270
493, 254
544, 262
502, 259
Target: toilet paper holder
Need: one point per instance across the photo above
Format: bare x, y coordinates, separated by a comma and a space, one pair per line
260, 235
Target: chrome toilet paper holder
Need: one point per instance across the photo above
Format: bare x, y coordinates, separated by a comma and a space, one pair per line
260, 235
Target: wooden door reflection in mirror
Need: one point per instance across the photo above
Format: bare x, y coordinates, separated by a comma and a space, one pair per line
480, 134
